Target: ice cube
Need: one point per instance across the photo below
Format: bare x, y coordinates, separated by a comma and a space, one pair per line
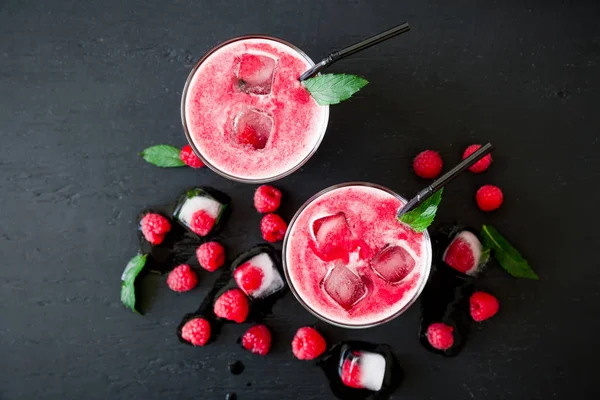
252, 127
363, 370
464, 253
333, 237
199, 211
255, 73
258, 277
393, 263
344, 286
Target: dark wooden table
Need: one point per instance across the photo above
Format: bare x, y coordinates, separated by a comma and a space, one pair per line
84, 86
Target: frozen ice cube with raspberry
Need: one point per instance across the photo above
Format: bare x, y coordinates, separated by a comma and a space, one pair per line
393, 263
333, 237
258, 277
199, 212
464, 253
255, 73
252, 128
344, 286
362, 370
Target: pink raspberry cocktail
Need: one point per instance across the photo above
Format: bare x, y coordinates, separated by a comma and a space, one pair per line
246, 114
349, 261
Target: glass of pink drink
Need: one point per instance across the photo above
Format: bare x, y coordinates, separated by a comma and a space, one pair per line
349, 261
246, 114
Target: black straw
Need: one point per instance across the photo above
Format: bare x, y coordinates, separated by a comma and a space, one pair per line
347, 51
447, 177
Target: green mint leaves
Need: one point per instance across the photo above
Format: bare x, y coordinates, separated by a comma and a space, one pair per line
163, 156
132, 270
333, 88
423, 215
507, 256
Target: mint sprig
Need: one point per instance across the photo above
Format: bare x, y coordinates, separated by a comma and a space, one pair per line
507, 256
423, 215
163, 155
333, 88
132, 270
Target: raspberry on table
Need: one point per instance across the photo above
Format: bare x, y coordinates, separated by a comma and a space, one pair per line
483, 306
196, 331
190, 158
480, 165
273, 228
257, 340
155, 227
248, 277
232, 305
267, 199
202, 223
211, 255
428, 164
182, 278
440, 336
308, 344
489, 197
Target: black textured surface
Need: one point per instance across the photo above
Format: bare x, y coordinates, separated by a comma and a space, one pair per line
84, 86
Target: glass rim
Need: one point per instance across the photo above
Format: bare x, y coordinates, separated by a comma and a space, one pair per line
189, 136
417, 293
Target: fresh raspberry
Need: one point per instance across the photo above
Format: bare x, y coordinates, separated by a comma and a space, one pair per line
182, 278
190, 158
428, 164
308, 344
232, 305
248, 277
483, 306
250, 136
201, 223
440, 336
351, 373
273, 228
267, 199
211, 255
489, 197
257, 340
196, 331
155, 227
480, 165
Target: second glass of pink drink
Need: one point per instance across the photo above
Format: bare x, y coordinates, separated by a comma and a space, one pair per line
349, 261
246, 114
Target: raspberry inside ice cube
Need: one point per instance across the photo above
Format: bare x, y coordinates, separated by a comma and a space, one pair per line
255, 73
464, 253
252, 128
200, 213
393, 263
333, 237
363, 370
344, 286
258, 277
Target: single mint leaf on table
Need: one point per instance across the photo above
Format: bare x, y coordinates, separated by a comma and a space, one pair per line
507, 256
333, 88
163, 155
423, 215
132, 270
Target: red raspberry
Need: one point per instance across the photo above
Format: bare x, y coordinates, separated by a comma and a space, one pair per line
232, 305
308, 344
267, 199
440, 336
182, 278
196, 331
257, 340
351, 373
489, 197
480, 165
190, 158
201, 223
155, 227
428, 164
211, 255
249, 136
248, 277
483, 306
273, 228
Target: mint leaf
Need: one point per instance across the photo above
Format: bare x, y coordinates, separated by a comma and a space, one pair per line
163, 156
132, 270
333, 88
422, 216
485, 256
507, 256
